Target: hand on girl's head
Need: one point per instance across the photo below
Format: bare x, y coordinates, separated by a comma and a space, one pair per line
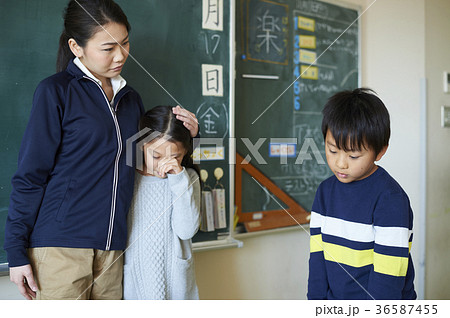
189, 120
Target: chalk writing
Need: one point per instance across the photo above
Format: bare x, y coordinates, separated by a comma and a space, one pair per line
212, 15
267, 32
215, 39
213, 119
268, 25
212, 80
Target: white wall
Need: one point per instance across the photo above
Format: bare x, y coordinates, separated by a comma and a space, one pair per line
8, 289
393, 65
273, 266
437, 44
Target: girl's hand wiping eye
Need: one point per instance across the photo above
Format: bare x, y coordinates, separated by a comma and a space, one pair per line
168, 166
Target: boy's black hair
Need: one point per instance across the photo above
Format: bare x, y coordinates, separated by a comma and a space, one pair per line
357, 119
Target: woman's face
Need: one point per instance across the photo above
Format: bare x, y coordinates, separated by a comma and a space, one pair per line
102, 55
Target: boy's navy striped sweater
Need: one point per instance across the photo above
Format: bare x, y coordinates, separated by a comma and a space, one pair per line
361, 234
73, 186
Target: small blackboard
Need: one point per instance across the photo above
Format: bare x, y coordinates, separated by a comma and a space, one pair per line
291, 57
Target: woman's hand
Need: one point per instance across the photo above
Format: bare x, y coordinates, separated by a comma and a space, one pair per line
22, 276
168, 166
189, 120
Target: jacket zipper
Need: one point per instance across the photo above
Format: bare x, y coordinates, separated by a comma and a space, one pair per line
116, 167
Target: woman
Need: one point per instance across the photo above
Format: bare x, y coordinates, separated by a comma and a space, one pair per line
67, 217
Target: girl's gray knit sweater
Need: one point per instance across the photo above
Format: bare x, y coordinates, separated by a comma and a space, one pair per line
164, 216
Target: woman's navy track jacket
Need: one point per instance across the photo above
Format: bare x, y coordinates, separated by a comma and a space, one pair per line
73, 186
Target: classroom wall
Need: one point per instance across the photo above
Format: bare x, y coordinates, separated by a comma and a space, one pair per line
8, 289
403, 41
272, 266
393, 65
437, 53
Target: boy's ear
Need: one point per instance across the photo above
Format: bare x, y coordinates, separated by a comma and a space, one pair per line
75, 48
382, 152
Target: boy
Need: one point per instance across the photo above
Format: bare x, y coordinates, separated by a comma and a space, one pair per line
361, 219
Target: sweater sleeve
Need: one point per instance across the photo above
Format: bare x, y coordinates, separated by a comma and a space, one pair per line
393, 235
317, 280
185, 187
37, 154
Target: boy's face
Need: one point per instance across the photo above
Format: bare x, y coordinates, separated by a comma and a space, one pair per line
350, 166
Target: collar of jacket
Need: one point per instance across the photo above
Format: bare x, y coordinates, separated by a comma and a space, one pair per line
79, 75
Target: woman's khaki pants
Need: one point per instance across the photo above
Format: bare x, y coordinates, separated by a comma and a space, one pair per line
77, 273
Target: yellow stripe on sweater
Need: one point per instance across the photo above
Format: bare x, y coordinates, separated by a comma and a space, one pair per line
347, 256
390, 265
315, 243
384, 264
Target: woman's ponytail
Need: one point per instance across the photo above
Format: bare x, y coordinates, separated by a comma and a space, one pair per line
64, 53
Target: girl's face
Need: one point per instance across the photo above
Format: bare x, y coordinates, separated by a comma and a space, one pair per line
162, 156
102, 56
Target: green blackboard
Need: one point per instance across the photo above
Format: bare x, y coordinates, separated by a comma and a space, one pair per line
170, 42
276, 43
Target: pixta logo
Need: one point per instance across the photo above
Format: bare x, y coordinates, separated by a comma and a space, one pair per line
283, 148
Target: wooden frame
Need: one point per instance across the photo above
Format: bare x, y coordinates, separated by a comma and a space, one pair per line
270, 219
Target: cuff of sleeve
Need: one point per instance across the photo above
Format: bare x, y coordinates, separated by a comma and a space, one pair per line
17, 257
178, 181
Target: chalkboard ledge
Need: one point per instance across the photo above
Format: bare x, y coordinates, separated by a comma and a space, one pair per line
4, 269
216, 245
292, 228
